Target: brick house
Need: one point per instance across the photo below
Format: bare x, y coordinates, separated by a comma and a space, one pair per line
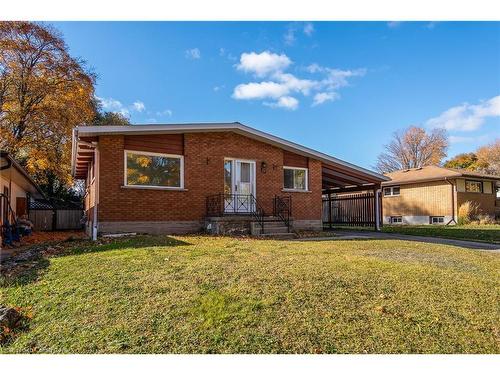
433, 195
188, 177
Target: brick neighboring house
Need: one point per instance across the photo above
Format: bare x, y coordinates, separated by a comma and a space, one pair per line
432, 195
172, 178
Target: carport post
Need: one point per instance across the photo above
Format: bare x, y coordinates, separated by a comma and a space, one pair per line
376, 193
330, 210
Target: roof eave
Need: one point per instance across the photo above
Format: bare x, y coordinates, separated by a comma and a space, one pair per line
214, 127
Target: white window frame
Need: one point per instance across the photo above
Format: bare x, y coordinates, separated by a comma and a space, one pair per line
146, 153
436, 217
399, 217
391, 189
299, 169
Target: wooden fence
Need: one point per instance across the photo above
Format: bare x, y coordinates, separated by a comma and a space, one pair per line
59, 219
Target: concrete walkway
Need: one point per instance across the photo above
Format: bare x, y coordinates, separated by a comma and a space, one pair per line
364, 235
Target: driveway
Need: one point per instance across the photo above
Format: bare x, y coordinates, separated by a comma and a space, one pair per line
363, 235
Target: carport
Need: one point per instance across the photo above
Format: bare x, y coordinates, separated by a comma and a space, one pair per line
351, 196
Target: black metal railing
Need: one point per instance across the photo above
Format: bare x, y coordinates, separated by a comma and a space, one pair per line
235, 204
282, 209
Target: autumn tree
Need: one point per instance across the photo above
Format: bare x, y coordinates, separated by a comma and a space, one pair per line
485, 159
467, 161
413, 148
44, 93
488, 158
106, 118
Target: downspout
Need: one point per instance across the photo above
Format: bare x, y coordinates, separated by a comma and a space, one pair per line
452, 202
96, 182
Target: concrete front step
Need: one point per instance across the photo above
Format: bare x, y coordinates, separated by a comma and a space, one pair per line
258, 231
269, 227
278, 236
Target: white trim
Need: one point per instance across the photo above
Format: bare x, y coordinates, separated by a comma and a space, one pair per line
391, 188
125, 184
299, 169
219, 127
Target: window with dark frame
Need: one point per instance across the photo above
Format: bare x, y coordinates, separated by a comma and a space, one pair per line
437, 219
392, 191
472, 186
396, 220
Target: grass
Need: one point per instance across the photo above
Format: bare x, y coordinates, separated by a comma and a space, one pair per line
485, 233
196, 294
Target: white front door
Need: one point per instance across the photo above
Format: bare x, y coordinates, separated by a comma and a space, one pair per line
239, 182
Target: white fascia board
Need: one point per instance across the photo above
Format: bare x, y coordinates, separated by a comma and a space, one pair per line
219, 127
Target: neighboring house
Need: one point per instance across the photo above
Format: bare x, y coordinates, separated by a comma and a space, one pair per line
432, 195
181, 178
17, 189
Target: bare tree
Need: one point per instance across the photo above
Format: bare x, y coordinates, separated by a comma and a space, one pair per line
413, 148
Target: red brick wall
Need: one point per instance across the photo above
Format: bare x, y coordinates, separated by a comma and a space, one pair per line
204, 155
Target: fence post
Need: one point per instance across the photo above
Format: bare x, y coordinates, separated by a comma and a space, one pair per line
54, 219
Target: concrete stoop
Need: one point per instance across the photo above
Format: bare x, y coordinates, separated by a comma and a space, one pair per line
272, 229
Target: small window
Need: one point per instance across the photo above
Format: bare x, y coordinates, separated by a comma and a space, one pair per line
391, 191
148, 169
295, 178
437, 220
396, 220
473, 186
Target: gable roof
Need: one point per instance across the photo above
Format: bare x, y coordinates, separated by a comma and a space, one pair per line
12, 170
236, 127
432, 173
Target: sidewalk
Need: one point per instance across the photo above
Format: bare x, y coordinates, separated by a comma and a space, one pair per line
365, 235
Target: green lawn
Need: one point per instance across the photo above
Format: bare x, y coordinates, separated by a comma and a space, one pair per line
196, 294
485, 233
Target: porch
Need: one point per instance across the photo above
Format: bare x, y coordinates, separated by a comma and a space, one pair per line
240, 214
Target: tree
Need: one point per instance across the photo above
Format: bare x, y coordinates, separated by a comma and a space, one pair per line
466, 161
107, 118
488, 158
44, 93
413, 148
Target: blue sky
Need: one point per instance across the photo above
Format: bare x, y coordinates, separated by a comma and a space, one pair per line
339, 87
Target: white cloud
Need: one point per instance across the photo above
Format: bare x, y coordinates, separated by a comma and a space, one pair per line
308, 28
263, 63
466, 117
260, 90
218, 88
289, 36
193, 54
322, 97
337, 78
393, 24
287, 102
166, 112
139, 106
460, 139
113, 105
279, 84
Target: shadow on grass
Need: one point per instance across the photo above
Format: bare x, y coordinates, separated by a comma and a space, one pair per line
135, 242
26, 272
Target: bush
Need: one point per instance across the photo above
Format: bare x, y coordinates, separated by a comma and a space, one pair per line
468, 212
486, 219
